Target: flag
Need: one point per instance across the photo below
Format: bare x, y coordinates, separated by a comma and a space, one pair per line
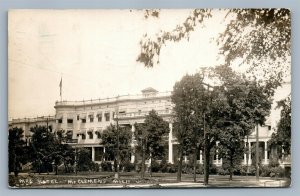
60, 86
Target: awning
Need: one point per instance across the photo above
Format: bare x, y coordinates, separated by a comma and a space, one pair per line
69, 132
91, 130
83, 116
82, 132
98, 130
59, 116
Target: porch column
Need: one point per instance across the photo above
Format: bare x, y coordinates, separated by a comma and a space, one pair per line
266, 152
217, 154
170, 143
249, 146
201, 159
103, 153
132, 158
93, 153
245, 154
282, 156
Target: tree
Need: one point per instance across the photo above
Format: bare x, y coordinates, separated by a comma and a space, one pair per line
150, 138
50, 149
282, 137
84, 160
64, 153
16, 150
242, 105
44, 147
117, 141
259, 38
190, 99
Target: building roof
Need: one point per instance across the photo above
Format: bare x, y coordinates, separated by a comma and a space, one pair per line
149, 89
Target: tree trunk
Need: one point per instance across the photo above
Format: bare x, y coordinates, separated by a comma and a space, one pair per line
230, 168
179, 164
143, 162
56, 169
195, 165
206, 162
150, 165
16, 172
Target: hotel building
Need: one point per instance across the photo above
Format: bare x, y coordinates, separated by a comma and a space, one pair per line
83, 122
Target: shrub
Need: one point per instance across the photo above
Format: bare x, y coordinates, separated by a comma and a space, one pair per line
155, 166
222, 171
243, 170
163, 166
276, 172
186, 169
106, 166
200, 169
94, 167
274, 162
172, 168
213, 169
265, 171
166, 167
42, 167
128, 167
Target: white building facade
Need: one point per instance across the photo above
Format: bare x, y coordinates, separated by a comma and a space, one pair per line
84, 121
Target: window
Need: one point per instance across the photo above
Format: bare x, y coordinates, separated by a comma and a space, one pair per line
269, 128
83, 136
69, 120
69, 135
60, 120
91, 135
107, 116
99, 116
98, 153
83, 120
91, 118
77, 117
167, 110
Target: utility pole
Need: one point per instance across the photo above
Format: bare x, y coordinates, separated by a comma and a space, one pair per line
205, 152
75, 160
118, 141
206, 144
247, 155
47, 125
257, 154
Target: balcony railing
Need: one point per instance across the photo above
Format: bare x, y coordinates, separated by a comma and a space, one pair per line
71, 141
141, 114
34, 119
112, 99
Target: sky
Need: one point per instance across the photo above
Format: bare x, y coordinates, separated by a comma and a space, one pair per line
95, 52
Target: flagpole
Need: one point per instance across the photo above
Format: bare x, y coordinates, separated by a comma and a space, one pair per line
60, 88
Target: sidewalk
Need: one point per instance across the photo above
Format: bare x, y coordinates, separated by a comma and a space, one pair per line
105, 181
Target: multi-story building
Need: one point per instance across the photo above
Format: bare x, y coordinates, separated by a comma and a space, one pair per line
83, 122
27, 123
